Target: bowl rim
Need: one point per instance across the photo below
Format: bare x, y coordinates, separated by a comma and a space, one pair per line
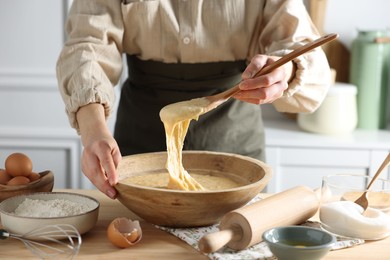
4, 202
45, 175
339, 186
266, 178
285, 246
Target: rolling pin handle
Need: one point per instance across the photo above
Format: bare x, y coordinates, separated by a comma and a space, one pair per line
214, 241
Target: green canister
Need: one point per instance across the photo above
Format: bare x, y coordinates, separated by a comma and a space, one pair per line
370, 66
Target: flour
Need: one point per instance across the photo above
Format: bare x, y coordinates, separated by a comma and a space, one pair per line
346, 218
50, 208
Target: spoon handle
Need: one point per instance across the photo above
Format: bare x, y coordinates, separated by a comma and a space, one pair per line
288, 57
379, 171
297, 52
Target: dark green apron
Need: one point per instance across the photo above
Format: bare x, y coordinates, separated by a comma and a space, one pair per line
234, 127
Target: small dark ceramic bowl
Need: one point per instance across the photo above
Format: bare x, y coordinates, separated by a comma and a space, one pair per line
298, 242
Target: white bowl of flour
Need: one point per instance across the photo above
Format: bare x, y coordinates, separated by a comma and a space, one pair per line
24, 213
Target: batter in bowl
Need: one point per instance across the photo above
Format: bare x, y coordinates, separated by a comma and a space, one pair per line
208, 180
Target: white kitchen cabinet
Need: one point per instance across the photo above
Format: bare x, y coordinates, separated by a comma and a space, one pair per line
302, 158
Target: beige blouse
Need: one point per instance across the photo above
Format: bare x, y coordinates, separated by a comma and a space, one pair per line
186, 31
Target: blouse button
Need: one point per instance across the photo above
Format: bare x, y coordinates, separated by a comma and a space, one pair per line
186, 40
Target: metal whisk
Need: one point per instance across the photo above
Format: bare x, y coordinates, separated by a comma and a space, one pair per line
49, 242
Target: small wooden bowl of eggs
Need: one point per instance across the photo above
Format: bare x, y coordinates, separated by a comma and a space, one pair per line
19, 178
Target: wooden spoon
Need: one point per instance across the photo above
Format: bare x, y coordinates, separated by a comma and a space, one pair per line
217, 99
202, 105
362, 200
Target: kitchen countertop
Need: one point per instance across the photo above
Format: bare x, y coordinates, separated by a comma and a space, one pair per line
283, 130
158, 244
286, 132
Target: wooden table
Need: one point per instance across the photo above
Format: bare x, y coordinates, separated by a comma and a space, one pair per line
157, 244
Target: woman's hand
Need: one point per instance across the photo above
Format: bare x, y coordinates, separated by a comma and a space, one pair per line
266, 88
101, 154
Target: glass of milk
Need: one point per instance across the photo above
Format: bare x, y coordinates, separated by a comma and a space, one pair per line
341, 216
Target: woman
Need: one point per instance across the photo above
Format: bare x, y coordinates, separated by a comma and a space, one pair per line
179, 50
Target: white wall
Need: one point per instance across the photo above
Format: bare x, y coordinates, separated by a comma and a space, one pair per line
32, 117
346, 17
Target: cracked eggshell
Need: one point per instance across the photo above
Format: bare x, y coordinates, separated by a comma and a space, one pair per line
123, 232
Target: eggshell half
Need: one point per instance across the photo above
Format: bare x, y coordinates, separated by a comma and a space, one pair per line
123, 232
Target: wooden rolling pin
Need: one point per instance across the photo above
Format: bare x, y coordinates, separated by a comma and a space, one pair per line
244, 227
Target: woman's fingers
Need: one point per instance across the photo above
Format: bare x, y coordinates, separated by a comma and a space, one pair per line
100, 167
117, 157
256, 64
266, 88
262, 95
106, 160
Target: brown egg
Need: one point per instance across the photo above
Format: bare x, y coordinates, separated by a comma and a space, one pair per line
18, 164
123, 232
34, 176
18, 180
4, 177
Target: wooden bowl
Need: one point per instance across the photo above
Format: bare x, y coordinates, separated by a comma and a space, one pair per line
176, 208
44, 184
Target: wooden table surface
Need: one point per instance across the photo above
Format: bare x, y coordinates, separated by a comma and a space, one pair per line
157, 244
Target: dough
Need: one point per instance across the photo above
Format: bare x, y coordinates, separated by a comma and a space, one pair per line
176, 118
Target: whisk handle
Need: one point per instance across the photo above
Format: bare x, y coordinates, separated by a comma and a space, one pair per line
4, 234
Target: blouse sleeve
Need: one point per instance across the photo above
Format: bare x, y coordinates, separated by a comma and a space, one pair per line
90, 63
286, 26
